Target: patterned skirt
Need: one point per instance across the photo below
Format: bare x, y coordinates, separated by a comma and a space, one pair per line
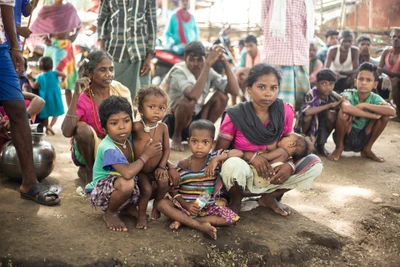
211, 210
101, 194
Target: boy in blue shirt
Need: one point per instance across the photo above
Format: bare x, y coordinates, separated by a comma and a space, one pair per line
363, 116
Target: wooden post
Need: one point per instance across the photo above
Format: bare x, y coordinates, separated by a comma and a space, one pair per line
343, 14
322, 12
370, 20
248, 18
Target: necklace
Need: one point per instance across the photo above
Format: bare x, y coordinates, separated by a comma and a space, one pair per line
124, 145
190, 162
148, 128
121, 144
96, 111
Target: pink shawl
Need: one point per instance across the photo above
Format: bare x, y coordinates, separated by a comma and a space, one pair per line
56, 19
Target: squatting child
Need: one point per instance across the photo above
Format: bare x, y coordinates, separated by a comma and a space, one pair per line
152, 103
199, 173
318, 114
362, 117
114, 187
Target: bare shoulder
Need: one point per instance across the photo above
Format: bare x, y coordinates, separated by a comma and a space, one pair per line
163, 127
137, 126
184, 163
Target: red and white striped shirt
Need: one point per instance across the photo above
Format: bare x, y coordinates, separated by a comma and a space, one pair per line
294, 49
3, 38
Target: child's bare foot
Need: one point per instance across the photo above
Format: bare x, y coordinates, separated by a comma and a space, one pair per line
175, 225
177, 145
269, 201
49, 130
113, 222
322, 151
335, 155
208, 229
141, 222
155, 214
367, 153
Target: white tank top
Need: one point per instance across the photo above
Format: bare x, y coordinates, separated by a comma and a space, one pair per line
347, 65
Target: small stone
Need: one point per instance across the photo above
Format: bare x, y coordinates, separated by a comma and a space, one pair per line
377, 200
395, 195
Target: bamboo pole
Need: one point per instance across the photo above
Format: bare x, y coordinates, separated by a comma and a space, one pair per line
343, 15
34, 5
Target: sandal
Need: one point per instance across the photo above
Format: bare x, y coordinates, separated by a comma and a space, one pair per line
38, 193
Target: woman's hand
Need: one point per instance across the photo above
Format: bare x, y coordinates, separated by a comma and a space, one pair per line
161, 174
262, 166
175, 178
210, 168
282, 174
81, 84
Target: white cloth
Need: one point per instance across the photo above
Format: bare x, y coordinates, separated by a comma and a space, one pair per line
278, 20
336, 66
3, 38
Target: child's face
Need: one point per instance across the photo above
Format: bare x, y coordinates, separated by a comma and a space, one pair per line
200, 143
325, 87
365, 81
103, 73
153, 108
313, 52
265, 90
119, 126
289, 142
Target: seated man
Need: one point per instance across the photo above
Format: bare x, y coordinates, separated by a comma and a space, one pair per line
331, 39
188, 85
318, 114
362, 117
390, 65
249, 57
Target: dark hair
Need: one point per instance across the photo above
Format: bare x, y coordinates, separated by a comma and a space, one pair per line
25, 63
251, 39
241, 41
45, 63
113, 105
369, 67
91, 61
262, 69
346, 33
202, 125
331, 33
313, 44
363, 37
326, 75
394, 31
150, 90
304, 147
195, 48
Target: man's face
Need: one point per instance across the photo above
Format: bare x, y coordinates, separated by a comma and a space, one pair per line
185, 4
332, 40
194, 63
396, 39
364, 47
346, 42
251, 48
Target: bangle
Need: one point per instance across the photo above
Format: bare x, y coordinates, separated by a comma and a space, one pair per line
72, 116
161, 167
291, 164
173, 167
253, 157
177, 195
15, 49
142, 160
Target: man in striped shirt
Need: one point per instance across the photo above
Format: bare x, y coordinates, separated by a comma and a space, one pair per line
127, 29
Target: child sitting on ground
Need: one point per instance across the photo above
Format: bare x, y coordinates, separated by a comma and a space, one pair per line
318, 114
50, 91
114, 187
152, 103
291, 146
362, 117
199, 173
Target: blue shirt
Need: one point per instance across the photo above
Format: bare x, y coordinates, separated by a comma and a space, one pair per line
19, 9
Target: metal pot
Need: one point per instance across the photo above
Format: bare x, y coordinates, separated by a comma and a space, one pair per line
44, 157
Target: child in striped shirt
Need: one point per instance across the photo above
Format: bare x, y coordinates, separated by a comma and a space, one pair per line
200, 173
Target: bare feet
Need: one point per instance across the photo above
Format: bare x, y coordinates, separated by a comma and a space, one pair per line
49, 130
113, 222
175, 225
155, 214
177, 144
208, 229
367, 153
322, 150
141, 222
335, 155
269, 201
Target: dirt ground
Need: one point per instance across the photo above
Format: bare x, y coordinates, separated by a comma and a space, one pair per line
351, 217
